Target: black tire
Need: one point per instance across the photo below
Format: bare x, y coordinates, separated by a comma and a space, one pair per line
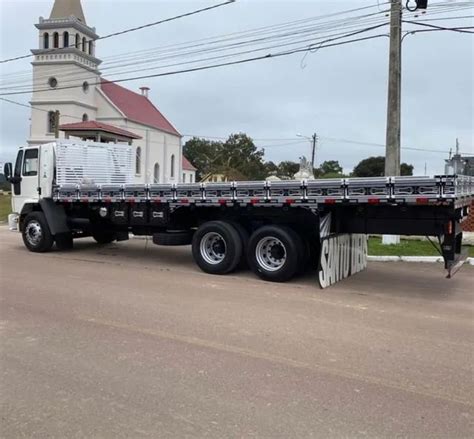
245, 238
219, 242
184, 237
64, 241
36, 234
104, 236
281, 252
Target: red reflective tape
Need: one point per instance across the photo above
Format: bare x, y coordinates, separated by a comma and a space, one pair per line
289, 201
423, 200
222, 202
157, 201
373, 200
184, 201
254, 201
330, 201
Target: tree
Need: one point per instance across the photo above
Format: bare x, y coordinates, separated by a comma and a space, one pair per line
271, 168
330, 167
237, 158
288, 169
406, 169
240, 155
202, 154
375, 167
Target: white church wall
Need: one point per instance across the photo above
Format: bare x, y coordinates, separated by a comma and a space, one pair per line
157, 148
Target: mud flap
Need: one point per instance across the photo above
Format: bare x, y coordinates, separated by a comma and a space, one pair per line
342, 255
55, 215
454, 254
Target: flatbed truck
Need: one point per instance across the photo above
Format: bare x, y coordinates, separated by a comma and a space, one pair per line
66, 190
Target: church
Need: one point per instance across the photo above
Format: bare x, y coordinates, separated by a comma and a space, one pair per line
67, 83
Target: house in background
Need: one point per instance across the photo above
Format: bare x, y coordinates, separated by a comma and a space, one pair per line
189, 171
66, 78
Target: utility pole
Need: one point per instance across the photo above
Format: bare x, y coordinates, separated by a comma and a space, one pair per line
392, 145
56, 124
313, 155
392, 148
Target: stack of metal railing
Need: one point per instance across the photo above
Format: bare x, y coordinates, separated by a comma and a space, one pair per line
377, 190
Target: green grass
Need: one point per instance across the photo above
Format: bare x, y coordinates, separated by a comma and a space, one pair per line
405, 248
5, 207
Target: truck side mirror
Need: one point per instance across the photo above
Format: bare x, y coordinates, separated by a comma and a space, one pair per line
8, 172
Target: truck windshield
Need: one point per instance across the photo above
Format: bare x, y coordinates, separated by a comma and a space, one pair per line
19, 159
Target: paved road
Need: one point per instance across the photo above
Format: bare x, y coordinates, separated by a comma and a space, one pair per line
130, 340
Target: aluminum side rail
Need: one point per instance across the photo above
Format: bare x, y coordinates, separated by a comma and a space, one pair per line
447, 189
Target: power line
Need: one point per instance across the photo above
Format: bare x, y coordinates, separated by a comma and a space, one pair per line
344, 23
455, 29
224, 64
287, 39
446, 5
134, 29
306, 48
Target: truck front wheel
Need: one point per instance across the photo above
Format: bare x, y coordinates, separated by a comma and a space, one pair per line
275, 253
217, 247
36, 234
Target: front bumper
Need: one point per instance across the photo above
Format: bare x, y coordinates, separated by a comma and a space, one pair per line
13, 222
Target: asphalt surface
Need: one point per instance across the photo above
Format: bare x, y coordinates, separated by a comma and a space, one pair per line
130, 340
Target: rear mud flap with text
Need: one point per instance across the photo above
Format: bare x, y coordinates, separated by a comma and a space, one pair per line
341, 256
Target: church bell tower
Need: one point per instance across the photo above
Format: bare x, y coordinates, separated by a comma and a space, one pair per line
65, 71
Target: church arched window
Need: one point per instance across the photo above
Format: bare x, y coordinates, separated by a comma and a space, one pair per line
138, 162
91, 47
55, 40
172, 166
46, 40
156, 173
84, 44
85, 117
78, 41
66, 39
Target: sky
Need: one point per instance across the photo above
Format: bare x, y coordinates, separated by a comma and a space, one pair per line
340, 92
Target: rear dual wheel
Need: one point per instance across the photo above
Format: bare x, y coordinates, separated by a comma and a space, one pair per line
275, 253
217, 247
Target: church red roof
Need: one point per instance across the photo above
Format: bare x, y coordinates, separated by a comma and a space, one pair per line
187, 165
93, 125
136, 107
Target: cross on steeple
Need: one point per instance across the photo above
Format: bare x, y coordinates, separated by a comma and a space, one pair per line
66, 8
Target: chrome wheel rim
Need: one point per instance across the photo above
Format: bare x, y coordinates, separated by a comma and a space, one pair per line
213, 248
270, 253
33, 233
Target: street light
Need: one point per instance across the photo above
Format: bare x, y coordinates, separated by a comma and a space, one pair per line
314, 140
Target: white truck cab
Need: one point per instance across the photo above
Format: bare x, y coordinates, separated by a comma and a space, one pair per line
31, 177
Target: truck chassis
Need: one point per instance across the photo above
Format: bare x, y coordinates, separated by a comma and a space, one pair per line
277, 228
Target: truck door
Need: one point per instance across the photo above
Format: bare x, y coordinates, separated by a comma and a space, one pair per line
17, 173
25, 188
